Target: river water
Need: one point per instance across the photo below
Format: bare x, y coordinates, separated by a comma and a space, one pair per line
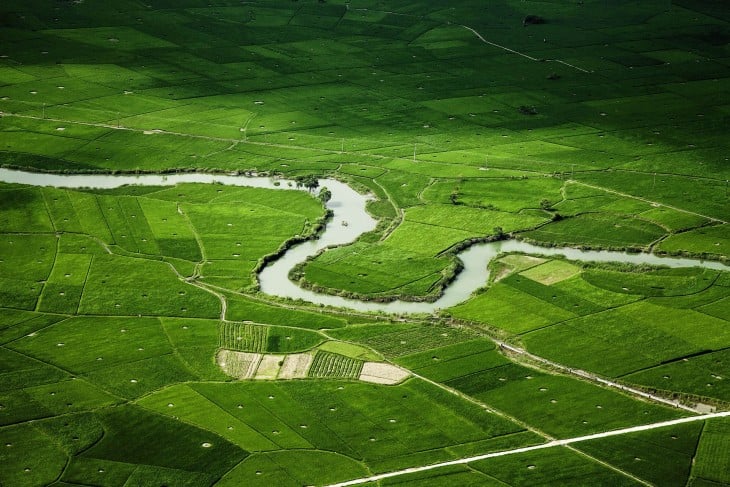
350, 220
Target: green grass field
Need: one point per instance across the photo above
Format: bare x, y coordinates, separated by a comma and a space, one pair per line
605, 126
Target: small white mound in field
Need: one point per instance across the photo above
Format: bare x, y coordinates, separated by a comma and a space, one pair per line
296, 366
269, 367
241, 365
380, 373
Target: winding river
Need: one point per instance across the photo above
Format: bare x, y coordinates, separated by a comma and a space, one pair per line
350, 220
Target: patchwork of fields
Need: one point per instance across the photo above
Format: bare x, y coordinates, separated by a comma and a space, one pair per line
136, 348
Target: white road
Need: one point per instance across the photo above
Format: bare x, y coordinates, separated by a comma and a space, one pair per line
551, 444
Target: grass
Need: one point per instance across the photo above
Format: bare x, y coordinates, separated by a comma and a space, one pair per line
506, 307
148, 288
712, 462
651, 326
407, 340
293, 468
332, 365
509, 195
627, 144
454, 361
351, 350
702, 375
556, 466
129, 357
598, 230
662, 457
403, 265
368, 270
179, 447
680, 333
245, 337
242, 308
38, 461
321, 414
706, 241
562, 407
26, 262
551, 272
194, 343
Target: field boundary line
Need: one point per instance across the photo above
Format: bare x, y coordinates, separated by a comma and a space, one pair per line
551, 444
48, 210
645, 200
697, 448
247, 141
83, 287
399, 214
490, 409
39, 299
595, 378
608, 465
527, 56
71, 375
175, 352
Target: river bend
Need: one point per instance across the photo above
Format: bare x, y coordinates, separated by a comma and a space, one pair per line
350, 220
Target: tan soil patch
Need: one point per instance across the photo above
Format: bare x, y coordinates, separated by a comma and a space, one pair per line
269, 367
380, 373
506, 271
241, 365
296, 366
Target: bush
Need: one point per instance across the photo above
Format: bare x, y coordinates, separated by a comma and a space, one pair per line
532, 20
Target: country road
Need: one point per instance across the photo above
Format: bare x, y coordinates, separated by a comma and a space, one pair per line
551, 444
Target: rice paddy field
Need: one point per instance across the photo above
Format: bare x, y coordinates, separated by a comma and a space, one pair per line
137, 349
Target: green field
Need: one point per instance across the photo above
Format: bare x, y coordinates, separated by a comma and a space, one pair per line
596, 124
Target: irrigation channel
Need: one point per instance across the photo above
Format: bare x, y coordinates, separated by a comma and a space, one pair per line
350, 220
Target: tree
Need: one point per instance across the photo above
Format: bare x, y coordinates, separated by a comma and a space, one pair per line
310, 182
532, 20
325, 194
454, 196
498, 232
527, 110
545, 204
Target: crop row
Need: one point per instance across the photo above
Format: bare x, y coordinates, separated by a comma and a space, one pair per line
417, 339
332, 365
243, 337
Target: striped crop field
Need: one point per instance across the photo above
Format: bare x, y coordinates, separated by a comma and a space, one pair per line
243, 337
332, 365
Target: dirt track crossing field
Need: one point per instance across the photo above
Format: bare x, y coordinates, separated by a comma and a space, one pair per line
551, 444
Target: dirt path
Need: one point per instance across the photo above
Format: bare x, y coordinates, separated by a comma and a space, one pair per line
527, 56
594, 378
551, 444
653, 203
398, 212
482, 405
